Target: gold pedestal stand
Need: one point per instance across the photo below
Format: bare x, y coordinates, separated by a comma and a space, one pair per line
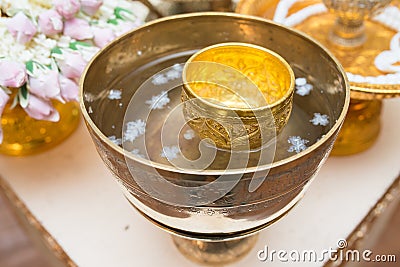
213, 204
356, 40
215, 253
360, 129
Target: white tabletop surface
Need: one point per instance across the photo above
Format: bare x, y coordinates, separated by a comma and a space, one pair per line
76, 199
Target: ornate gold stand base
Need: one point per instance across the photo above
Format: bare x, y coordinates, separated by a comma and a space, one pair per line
360, 128
215, 253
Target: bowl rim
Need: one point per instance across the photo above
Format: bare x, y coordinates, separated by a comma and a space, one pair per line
161, 166
288, 93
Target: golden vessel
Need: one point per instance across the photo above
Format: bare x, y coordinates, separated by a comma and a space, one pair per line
356, 40
24, 135
238, 95
212, 211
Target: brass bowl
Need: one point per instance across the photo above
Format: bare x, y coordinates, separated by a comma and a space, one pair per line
248, 198
238, 95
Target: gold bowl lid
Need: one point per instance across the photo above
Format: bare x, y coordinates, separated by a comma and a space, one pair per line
238, 76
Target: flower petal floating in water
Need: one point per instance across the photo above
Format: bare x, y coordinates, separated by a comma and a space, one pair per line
173, 74
302, 87
320, 119
21, 28
114, 94
134, 129
189, 135
12, 74
136, 152
297, 144
159, 101
115, 140
170, 152
159, 79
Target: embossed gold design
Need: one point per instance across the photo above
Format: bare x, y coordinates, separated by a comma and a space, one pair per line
265, 69
284, 181
233, 82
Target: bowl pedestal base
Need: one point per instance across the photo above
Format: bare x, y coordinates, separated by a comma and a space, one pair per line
215, 253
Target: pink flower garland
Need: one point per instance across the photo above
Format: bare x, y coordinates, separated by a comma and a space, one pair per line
58, 81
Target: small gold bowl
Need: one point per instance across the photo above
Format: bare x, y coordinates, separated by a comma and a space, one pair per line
238, 95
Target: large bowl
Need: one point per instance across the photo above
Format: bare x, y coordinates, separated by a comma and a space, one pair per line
280, 184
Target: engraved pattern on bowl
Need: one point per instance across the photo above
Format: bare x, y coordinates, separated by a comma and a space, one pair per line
237, 75
238, 213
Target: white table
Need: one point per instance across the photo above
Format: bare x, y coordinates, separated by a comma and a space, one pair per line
75, 198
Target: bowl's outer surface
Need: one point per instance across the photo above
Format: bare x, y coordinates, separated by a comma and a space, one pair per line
239, 212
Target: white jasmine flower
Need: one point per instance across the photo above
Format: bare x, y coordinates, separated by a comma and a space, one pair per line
134, 129
114, 94
170, 152
189, 135
158, 101
297, 144
159, 79
320, 119
136, 152
173, 74
301, 81
115, 140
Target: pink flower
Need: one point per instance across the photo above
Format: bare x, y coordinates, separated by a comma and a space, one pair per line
102, 36
12, 74
46, 85
67, 8
125, 26
78, 29
72, 65
90, 7
50, 22
69, 89
41, 109
21, 28
3, 101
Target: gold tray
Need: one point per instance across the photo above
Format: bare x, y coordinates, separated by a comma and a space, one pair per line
356, 61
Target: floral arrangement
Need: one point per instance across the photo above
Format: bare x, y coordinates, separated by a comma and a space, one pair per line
46, 45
